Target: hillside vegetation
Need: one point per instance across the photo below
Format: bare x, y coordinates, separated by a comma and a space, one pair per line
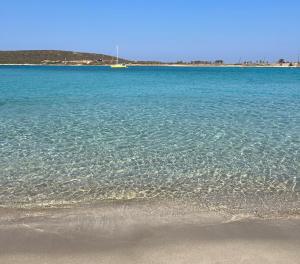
55, 57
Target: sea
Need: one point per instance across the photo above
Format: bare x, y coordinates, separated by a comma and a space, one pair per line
219, 137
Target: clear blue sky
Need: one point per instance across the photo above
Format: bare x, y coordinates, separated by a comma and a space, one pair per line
165, 30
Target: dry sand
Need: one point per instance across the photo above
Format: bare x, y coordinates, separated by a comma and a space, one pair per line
145, 233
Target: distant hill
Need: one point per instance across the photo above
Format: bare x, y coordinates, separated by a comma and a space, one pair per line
61, 57
56, 57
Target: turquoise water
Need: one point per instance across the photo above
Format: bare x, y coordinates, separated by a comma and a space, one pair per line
217, 136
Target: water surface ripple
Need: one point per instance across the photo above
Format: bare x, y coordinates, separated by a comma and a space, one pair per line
217, 136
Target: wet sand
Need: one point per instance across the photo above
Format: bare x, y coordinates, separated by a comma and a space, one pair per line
145, 233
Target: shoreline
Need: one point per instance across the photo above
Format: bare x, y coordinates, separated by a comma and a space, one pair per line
267, 206
162, 65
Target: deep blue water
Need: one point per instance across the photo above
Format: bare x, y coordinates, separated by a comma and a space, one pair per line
213, 135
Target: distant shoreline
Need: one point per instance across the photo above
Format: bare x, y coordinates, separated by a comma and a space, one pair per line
161, 65
74, 58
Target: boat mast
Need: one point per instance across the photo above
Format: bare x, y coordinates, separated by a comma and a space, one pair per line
117, 54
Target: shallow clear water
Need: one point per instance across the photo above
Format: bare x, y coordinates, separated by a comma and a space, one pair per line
218, 136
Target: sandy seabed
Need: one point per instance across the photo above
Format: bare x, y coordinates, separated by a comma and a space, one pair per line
145, 233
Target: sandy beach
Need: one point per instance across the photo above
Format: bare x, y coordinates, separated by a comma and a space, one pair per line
150, 132
145, 233
150, 165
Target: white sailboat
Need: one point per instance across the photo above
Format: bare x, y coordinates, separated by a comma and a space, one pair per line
118, 65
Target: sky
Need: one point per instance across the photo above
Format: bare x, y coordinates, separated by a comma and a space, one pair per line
165, 30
